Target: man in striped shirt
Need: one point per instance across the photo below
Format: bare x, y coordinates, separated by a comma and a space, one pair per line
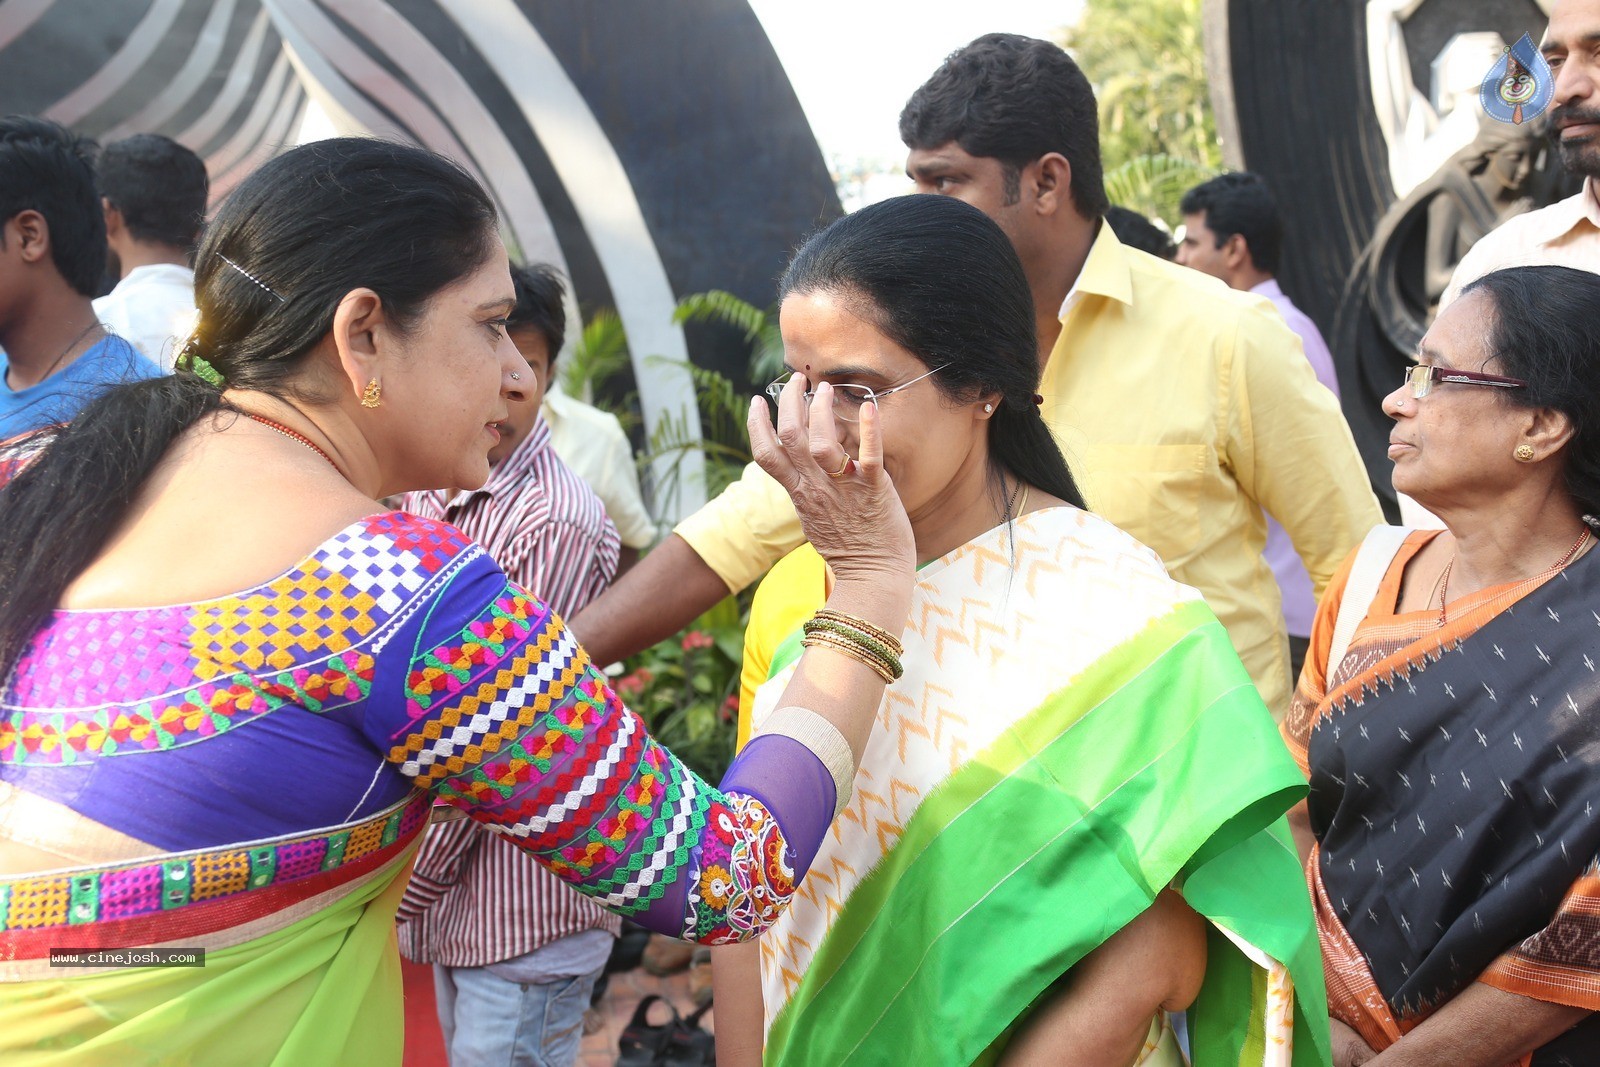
515, 952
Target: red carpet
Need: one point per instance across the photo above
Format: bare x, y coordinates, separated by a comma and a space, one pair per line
424, 1043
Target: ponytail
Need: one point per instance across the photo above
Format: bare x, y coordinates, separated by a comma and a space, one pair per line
58, 513
1021, 444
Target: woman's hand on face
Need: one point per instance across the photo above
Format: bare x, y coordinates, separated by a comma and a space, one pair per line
1349, 1049
855, 519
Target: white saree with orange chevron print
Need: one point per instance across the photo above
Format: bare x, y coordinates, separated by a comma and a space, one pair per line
1073, 734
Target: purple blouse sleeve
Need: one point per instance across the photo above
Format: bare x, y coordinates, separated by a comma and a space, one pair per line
505, 716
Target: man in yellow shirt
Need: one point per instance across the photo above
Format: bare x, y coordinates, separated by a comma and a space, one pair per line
1185, 408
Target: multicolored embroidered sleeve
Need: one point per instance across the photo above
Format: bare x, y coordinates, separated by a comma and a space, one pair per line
504, 716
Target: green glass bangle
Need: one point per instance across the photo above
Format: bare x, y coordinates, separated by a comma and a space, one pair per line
851, 650
859, 638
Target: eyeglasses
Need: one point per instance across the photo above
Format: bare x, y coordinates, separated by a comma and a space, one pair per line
1421, 378
847, 399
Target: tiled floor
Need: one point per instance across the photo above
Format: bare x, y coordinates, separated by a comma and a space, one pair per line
425, 1047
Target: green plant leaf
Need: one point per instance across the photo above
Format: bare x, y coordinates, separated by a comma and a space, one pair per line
1146, 60
598, 355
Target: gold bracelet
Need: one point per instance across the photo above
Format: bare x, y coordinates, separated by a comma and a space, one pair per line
852, 650
864, 626
844, 648
883, 652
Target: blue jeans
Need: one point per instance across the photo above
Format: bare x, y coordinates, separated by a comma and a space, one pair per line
489, 1021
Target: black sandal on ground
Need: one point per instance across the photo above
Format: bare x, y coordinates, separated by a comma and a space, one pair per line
688, 1045
641, 1044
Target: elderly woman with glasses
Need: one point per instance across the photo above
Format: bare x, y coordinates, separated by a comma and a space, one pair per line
1449, 713
1039, 854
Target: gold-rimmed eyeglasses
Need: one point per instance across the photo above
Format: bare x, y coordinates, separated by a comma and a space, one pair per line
847, 399
1421, 378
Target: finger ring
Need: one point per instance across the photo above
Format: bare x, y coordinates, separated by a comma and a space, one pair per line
844, 468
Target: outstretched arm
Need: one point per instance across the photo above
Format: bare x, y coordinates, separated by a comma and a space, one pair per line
719, 549
508, 718
659, 596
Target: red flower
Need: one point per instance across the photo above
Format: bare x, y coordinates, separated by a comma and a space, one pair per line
696, 639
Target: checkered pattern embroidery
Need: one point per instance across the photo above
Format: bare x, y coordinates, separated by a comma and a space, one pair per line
547, 757
585, 788
86, 650
101, 683
511, 696
220, 874
483, 643
35, 903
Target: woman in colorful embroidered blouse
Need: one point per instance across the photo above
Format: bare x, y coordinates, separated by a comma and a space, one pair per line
1451, 830
246, 768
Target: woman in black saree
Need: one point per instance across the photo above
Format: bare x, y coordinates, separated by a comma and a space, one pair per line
1448, 717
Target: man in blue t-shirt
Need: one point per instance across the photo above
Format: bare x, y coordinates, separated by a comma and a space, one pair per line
55, 357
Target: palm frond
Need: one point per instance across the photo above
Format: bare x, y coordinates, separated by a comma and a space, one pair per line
719, 306
1154, 184
598, 355
760, 328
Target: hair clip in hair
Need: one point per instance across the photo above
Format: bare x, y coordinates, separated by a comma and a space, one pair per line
192, 361
1038, 400
263, 285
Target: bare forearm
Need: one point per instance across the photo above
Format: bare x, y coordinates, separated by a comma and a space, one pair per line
835, 686
657, 598
1481, 1027
736, 988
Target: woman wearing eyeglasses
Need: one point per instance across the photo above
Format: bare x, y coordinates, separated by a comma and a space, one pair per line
1074, 787
1449, 713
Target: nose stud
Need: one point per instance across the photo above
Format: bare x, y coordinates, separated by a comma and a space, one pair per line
516, 377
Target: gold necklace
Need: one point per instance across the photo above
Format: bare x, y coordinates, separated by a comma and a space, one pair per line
1444, 582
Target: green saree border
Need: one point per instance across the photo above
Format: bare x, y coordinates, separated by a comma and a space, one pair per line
1122, 827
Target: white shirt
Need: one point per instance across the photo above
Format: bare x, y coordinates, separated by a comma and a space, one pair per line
1565, 234
591, 443
152, 307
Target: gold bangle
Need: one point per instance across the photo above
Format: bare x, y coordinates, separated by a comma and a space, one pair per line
864, 626
853, 651
881, 651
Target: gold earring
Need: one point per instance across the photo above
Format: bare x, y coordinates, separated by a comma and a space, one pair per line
1523, 452
372, 395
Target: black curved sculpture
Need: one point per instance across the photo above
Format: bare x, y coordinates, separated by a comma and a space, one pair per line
1298, 100
651, 150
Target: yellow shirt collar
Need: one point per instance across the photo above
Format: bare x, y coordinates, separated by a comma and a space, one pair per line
1106, 272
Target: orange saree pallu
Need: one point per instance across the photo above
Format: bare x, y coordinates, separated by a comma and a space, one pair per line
1456, 805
